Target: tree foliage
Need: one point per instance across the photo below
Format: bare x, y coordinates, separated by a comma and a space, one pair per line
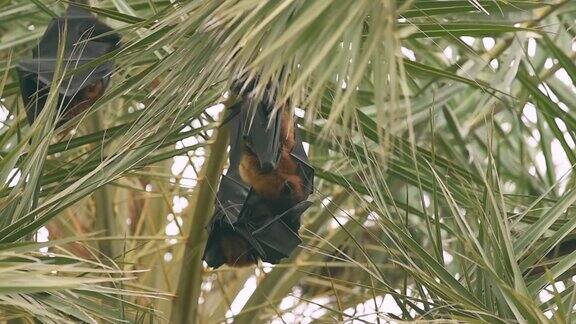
442, 132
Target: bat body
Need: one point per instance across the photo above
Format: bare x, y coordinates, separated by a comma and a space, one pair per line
254, 220
84, 99
283, 185
84, 40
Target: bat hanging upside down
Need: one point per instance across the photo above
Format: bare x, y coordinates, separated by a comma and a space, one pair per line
263, 194
85, 39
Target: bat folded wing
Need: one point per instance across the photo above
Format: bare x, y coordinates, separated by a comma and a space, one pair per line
261, 132
230, 199
305, 170
85, 39
278, 237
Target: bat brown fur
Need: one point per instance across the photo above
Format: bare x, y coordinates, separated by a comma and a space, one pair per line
284, 184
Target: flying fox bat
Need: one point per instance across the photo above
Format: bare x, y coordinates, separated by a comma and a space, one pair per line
246, 226
273, 160
85, 40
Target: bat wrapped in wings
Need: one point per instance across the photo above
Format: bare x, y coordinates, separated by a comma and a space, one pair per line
263, 194
84, 39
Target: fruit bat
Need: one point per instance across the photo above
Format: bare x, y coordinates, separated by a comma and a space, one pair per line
85, 40
273, 161
247, 226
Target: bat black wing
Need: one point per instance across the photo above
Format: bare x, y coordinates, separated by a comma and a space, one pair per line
234, 122
34, 93
304, 168
261, 131
278, 237
229, 203
260, 121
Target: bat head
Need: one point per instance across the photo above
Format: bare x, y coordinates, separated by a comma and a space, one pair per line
84, 40
35, 93
271, 230
237, 251
247, 227
292, 191
227, 244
